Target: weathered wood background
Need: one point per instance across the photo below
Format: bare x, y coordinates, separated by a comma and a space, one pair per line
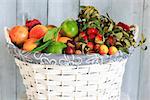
136, 82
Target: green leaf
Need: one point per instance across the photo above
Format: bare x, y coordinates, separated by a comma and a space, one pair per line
97, 23
127, 43
133, 43
110, 27
118, 44
40, 41
126, 34
119, 35
42, 47
82, 6
124, 50
101, 31
85, 27
143, 39
50, 34
105, 29
116, 30
93, 19
56, 33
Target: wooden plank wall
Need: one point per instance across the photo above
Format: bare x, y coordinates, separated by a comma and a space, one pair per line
14, 12
144, 86
29, 9
7, 67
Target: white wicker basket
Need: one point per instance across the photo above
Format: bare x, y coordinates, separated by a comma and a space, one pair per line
83, 82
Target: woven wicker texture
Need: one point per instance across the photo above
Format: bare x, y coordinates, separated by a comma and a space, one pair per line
88, 82
81, 82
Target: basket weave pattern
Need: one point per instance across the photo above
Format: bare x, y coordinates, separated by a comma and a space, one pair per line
95, 78
87, 82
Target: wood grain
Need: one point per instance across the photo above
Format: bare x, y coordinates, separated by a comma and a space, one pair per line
54, 12
7, 66
131, 13
29, 9
144, 86
59, 10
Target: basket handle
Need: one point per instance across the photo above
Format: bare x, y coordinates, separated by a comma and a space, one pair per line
6, 31
136, 31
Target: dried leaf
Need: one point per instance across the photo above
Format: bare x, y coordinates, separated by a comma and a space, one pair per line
110, 27
126, 34
127, 43
119, 35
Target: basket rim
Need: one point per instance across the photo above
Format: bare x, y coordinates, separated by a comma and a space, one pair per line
61, 59
64, 59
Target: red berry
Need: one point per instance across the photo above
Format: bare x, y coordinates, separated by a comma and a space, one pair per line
92, 31
92, 36
69, 50
90, 45
110, 41
82, 34
96, 47
98, 38
85, 38
124, 26
31, 23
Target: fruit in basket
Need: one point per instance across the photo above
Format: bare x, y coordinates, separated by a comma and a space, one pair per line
91, 36
103, 49
38, 31
113, 50
51, 27
96, 47
93, 31
78, 52
99, 38
30, 44
90, 45
85, 39
71, 43
70, 28
111, 40
82, 34
18, 35
31, 23
124, 26
63, 39
69, 50
56, 48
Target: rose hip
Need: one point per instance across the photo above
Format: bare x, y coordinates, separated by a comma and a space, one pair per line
96, 47
92, 31
69, 50
91, 36
90, 45
98, 38
82, 34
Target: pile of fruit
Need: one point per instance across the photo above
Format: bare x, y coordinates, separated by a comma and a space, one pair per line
90, 33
